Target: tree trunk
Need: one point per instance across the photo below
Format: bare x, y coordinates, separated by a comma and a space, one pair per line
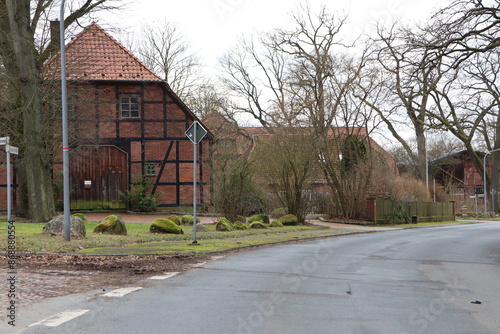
35, 164
421, 153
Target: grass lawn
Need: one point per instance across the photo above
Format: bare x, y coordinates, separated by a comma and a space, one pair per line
29, 239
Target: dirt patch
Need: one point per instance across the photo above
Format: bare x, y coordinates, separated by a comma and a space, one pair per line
47, 276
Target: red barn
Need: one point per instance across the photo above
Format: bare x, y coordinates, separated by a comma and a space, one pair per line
125, 122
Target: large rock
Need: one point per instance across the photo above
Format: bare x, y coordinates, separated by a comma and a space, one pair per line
111, 225
224, 225
202, 228
188, 220
56, 226
165, 226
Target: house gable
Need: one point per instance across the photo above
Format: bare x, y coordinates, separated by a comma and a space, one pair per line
115, 100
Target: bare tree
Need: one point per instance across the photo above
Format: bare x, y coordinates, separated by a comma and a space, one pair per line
465, 38
206, 99
465, 28
23, 59
295, 77
165, 50
402, 99
286, 161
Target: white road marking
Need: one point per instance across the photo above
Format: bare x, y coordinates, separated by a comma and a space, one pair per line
217, 257
167, 275
121, 292
60, 318
196, 265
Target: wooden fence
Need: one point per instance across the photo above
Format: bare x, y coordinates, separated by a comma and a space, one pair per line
386, 211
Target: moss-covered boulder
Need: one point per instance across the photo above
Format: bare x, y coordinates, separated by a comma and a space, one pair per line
240, 226
176, 219
275, 223
289, 220
259, 218
224, 225
111, 225
188, 220
165, 226
80, 215
258, 224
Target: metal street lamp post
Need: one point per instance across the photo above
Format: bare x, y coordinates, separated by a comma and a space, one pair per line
484, 180
65, 148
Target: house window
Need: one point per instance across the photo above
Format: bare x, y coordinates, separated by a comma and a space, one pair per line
129, 106
150, 169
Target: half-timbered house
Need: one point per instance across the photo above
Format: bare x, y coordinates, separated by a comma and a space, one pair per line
125, 123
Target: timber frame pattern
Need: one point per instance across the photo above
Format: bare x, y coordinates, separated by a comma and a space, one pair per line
125, 122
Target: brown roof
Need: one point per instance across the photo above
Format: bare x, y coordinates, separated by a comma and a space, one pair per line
95, 55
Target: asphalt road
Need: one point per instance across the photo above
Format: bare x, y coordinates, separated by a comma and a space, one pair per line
431, 280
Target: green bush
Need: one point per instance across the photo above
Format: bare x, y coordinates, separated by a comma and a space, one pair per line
188, 220
259, 218
224, 225
240, 226
289, 220
258, 224
275, 223
175, 219
165, 226
140, 197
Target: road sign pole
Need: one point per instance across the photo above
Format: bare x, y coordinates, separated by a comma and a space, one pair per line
9, 198
65, 148
194, 194
195, 133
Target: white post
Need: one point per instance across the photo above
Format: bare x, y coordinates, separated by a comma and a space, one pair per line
9, 199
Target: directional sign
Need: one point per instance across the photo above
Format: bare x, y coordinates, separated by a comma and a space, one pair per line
196, 132
4, 140
12, 149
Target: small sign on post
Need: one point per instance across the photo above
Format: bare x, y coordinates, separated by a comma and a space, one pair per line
9, 150
195, 133
12, 149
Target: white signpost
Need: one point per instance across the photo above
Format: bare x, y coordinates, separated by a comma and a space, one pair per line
195, 133
9, 150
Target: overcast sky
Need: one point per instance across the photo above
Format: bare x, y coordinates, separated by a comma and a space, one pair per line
213, 26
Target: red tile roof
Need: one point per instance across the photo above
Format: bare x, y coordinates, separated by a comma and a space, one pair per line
95, 55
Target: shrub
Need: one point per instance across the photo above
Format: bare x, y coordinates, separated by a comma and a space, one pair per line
259, 218
275, 223
278, 212
175, 219
224, 225
289, 220
240, 226
258, 224
188, 220
398, 215
165, 226
409, 189
140, 198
